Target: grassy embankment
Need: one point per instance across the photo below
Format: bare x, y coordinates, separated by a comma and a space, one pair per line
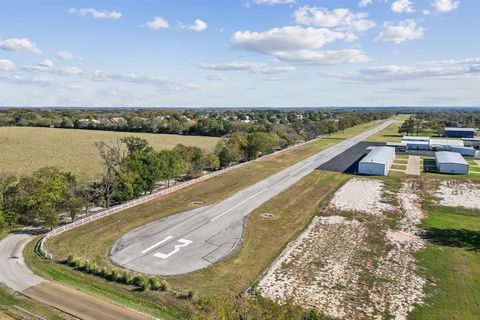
26, 149
452, 264
234, 274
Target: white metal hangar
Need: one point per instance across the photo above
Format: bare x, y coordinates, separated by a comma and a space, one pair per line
451, 162
377, 162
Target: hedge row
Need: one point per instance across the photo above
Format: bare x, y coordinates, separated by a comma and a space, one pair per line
142, 282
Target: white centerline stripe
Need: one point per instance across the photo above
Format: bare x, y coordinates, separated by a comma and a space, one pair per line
237, 205
157, 244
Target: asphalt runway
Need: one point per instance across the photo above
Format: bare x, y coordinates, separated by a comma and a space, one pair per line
194, 240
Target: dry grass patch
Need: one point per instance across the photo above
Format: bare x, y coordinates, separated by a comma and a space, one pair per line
26, 149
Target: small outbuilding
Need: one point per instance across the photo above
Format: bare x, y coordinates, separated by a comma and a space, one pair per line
464, 151
416, 138
452, 132
451, 162
377, 162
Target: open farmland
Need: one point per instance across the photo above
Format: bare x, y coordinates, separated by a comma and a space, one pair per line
25, 149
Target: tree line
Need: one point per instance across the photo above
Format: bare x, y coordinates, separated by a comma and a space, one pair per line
436, 121
203, 122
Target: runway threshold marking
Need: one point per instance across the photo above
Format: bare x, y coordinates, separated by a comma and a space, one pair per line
184, 242
157, 244
221, 214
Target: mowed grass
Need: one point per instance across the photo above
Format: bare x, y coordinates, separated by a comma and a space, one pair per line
25, 149
390, 133
452, 264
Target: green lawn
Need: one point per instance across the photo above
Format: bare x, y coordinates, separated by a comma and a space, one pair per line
25, 149
452, 265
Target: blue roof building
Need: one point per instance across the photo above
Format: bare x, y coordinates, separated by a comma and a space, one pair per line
459, 132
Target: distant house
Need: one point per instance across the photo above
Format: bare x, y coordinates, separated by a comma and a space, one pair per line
452, 132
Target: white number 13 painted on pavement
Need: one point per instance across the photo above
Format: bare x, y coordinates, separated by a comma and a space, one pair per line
184, 243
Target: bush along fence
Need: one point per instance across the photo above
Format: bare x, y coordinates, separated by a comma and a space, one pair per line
156, 194
141, 282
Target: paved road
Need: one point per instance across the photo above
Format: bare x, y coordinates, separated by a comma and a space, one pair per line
15, 274
193, 240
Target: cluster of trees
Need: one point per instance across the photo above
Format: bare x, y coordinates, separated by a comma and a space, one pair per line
40, 197
436, 121
204, 122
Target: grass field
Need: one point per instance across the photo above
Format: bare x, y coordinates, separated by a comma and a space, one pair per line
452, 264
26, 149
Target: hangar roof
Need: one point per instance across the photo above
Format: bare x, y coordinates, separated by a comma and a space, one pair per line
449, 157
379, 155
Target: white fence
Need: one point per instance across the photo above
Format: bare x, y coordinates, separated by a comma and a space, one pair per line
144, 199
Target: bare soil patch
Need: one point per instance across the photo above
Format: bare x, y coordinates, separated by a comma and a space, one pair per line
454, 193
350, 269
361, 195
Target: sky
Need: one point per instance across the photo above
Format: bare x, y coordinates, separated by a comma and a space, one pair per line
246, 53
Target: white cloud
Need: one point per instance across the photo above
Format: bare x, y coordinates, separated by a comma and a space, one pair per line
198, 26
340, 18
96, 14
65, 55
158, 23
298, 44
6, 65
436, 70
285, 39
46, 63
273, 2
217, 77
452, 61
49, 67
404, 31
402, 6
164, 83
246, 66
326, 57
426, 12
445, 5
365, 3
20, 45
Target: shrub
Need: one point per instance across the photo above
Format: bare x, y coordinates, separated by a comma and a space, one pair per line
70, 259
154, 283
137, 280
126, 278
191, 294
104, 273
144, 284
114, 276
91, 267
164, 286
80, 265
